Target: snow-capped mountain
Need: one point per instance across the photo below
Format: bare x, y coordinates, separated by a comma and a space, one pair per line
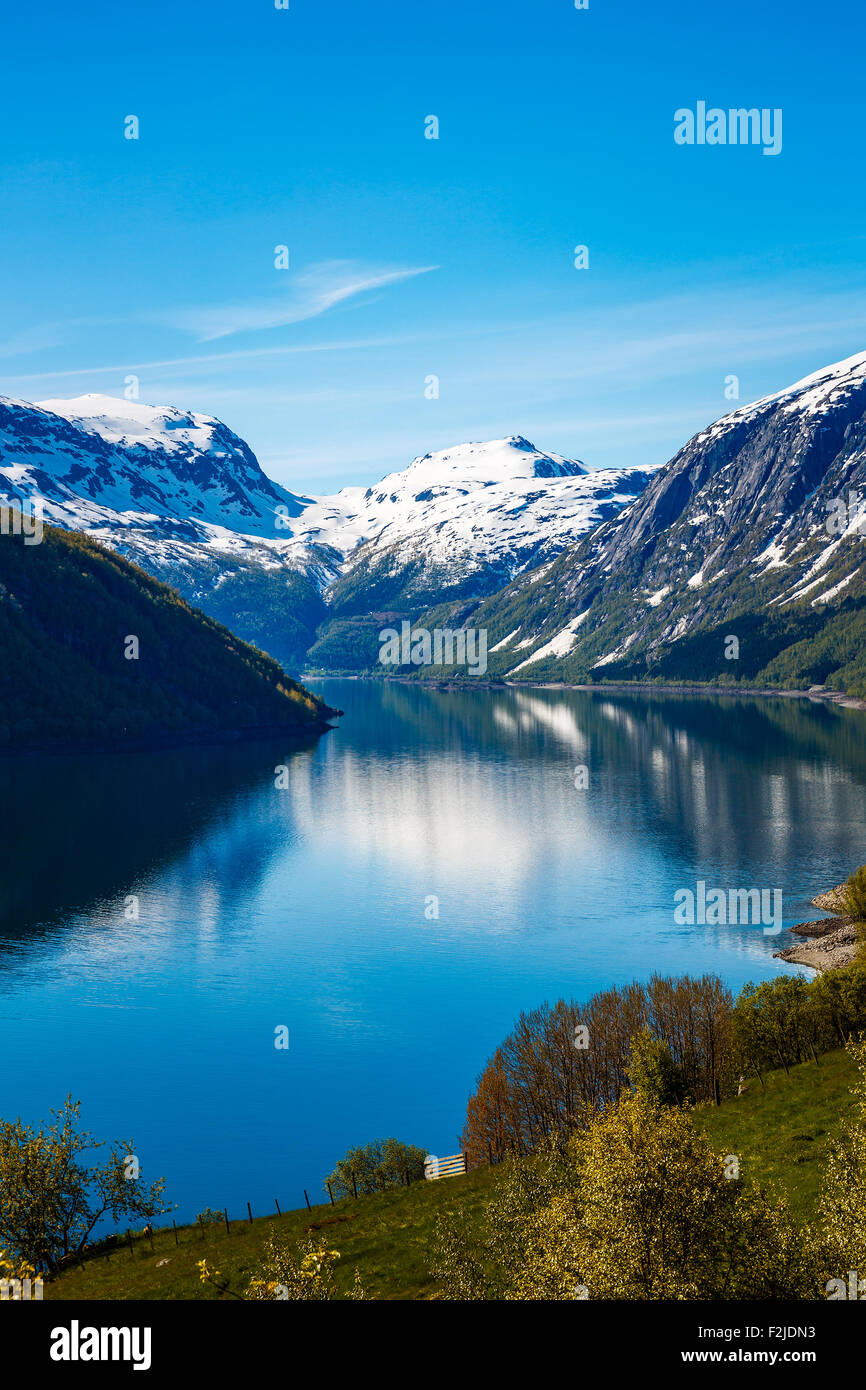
179, 494
184, 497
463, 520
756, 521
754, 530
95, 455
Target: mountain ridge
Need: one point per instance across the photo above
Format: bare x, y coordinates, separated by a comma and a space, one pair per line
736, 528
738, 560
181, 495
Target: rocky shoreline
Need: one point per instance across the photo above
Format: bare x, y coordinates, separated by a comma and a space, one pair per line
832, 941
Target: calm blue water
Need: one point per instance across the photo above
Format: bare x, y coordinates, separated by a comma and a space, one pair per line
305, 907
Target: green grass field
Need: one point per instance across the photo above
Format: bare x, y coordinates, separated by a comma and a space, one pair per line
779, 1134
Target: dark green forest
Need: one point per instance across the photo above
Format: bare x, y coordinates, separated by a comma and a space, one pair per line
68, 609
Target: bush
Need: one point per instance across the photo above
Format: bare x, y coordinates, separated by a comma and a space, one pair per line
209, 1217
290, 1272
376, 1166
637, 1205
854, 894
297, 1273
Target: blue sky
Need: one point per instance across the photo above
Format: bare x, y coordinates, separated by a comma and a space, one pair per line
412, 257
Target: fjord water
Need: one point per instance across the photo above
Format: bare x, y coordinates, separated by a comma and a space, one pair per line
313, 906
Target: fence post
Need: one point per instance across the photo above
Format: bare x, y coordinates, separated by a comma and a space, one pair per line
226, 1215
277, 1205
307, 1200
129, 1237
176, 1241
249, 1210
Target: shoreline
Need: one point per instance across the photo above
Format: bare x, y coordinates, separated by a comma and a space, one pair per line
815, 694
832, 941
160, 742
833, 697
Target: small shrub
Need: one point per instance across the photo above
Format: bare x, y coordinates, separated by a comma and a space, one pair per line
854, 895
376, 1166
653, 1072
298, 1273
208, 1217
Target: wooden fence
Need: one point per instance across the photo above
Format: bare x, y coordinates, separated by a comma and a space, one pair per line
451, 1167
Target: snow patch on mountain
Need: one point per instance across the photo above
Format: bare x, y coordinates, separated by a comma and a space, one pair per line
559, 645
655, 599
505, 641
836, 588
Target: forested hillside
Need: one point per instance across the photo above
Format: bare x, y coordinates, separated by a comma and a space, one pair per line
94, 650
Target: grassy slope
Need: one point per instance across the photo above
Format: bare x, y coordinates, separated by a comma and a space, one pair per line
779, 1133
386, 1236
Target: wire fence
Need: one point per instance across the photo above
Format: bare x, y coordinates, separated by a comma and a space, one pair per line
205, 1223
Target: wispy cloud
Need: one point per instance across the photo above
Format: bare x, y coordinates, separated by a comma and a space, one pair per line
300, 297
210, 358
34, 339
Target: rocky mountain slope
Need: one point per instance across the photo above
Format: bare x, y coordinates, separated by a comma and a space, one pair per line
752, 532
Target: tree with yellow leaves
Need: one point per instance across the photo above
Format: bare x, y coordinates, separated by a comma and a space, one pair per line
51, 1198
843, 1196
293, 1272
636, 1205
